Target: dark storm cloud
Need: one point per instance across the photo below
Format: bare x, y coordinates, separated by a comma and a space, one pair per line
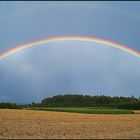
37, 21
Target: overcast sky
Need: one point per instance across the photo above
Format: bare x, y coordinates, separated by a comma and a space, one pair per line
68, 66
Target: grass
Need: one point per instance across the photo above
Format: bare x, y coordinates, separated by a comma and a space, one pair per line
88, 110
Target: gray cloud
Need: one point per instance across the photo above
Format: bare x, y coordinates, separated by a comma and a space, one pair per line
68, 67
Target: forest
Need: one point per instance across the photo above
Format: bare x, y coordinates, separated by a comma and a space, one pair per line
71, 100
75, 100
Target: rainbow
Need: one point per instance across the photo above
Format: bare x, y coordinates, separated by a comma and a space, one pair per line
72, 38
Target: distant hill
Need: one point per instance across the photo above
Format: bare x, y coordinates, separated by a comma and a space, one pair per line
71, 100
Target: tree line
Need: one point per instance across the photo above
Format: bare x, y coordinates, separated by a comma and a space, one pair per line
91, 101
10, 105
73, 100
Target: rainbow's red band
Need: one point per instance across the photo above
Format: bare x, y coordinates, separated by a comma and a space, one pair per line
72, 38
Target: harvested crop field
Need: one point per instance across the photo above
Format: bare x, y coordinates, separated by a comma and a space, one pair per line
45, 124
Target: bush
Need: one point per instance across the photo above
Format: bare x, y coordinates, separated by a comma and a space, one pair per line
10, 106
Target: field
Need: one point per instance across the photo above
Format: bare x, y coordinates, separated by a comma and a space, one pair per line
86, 110
46, 124
136, 111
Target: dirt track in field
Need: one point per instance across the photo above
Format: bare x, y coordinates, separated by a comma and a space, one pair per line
59, 125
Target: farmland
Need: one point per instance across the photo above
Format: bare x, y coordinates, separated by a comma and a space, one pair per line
48, 124
85, 110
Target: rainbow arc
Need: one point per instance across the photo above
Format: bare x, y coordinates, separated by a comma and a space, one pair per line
71, 38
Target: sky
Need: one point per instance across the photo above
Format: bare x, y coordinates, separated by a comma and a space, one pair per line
68, 67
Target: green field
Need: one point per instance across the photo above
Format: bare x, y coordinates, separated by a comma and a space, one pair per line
88, 110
